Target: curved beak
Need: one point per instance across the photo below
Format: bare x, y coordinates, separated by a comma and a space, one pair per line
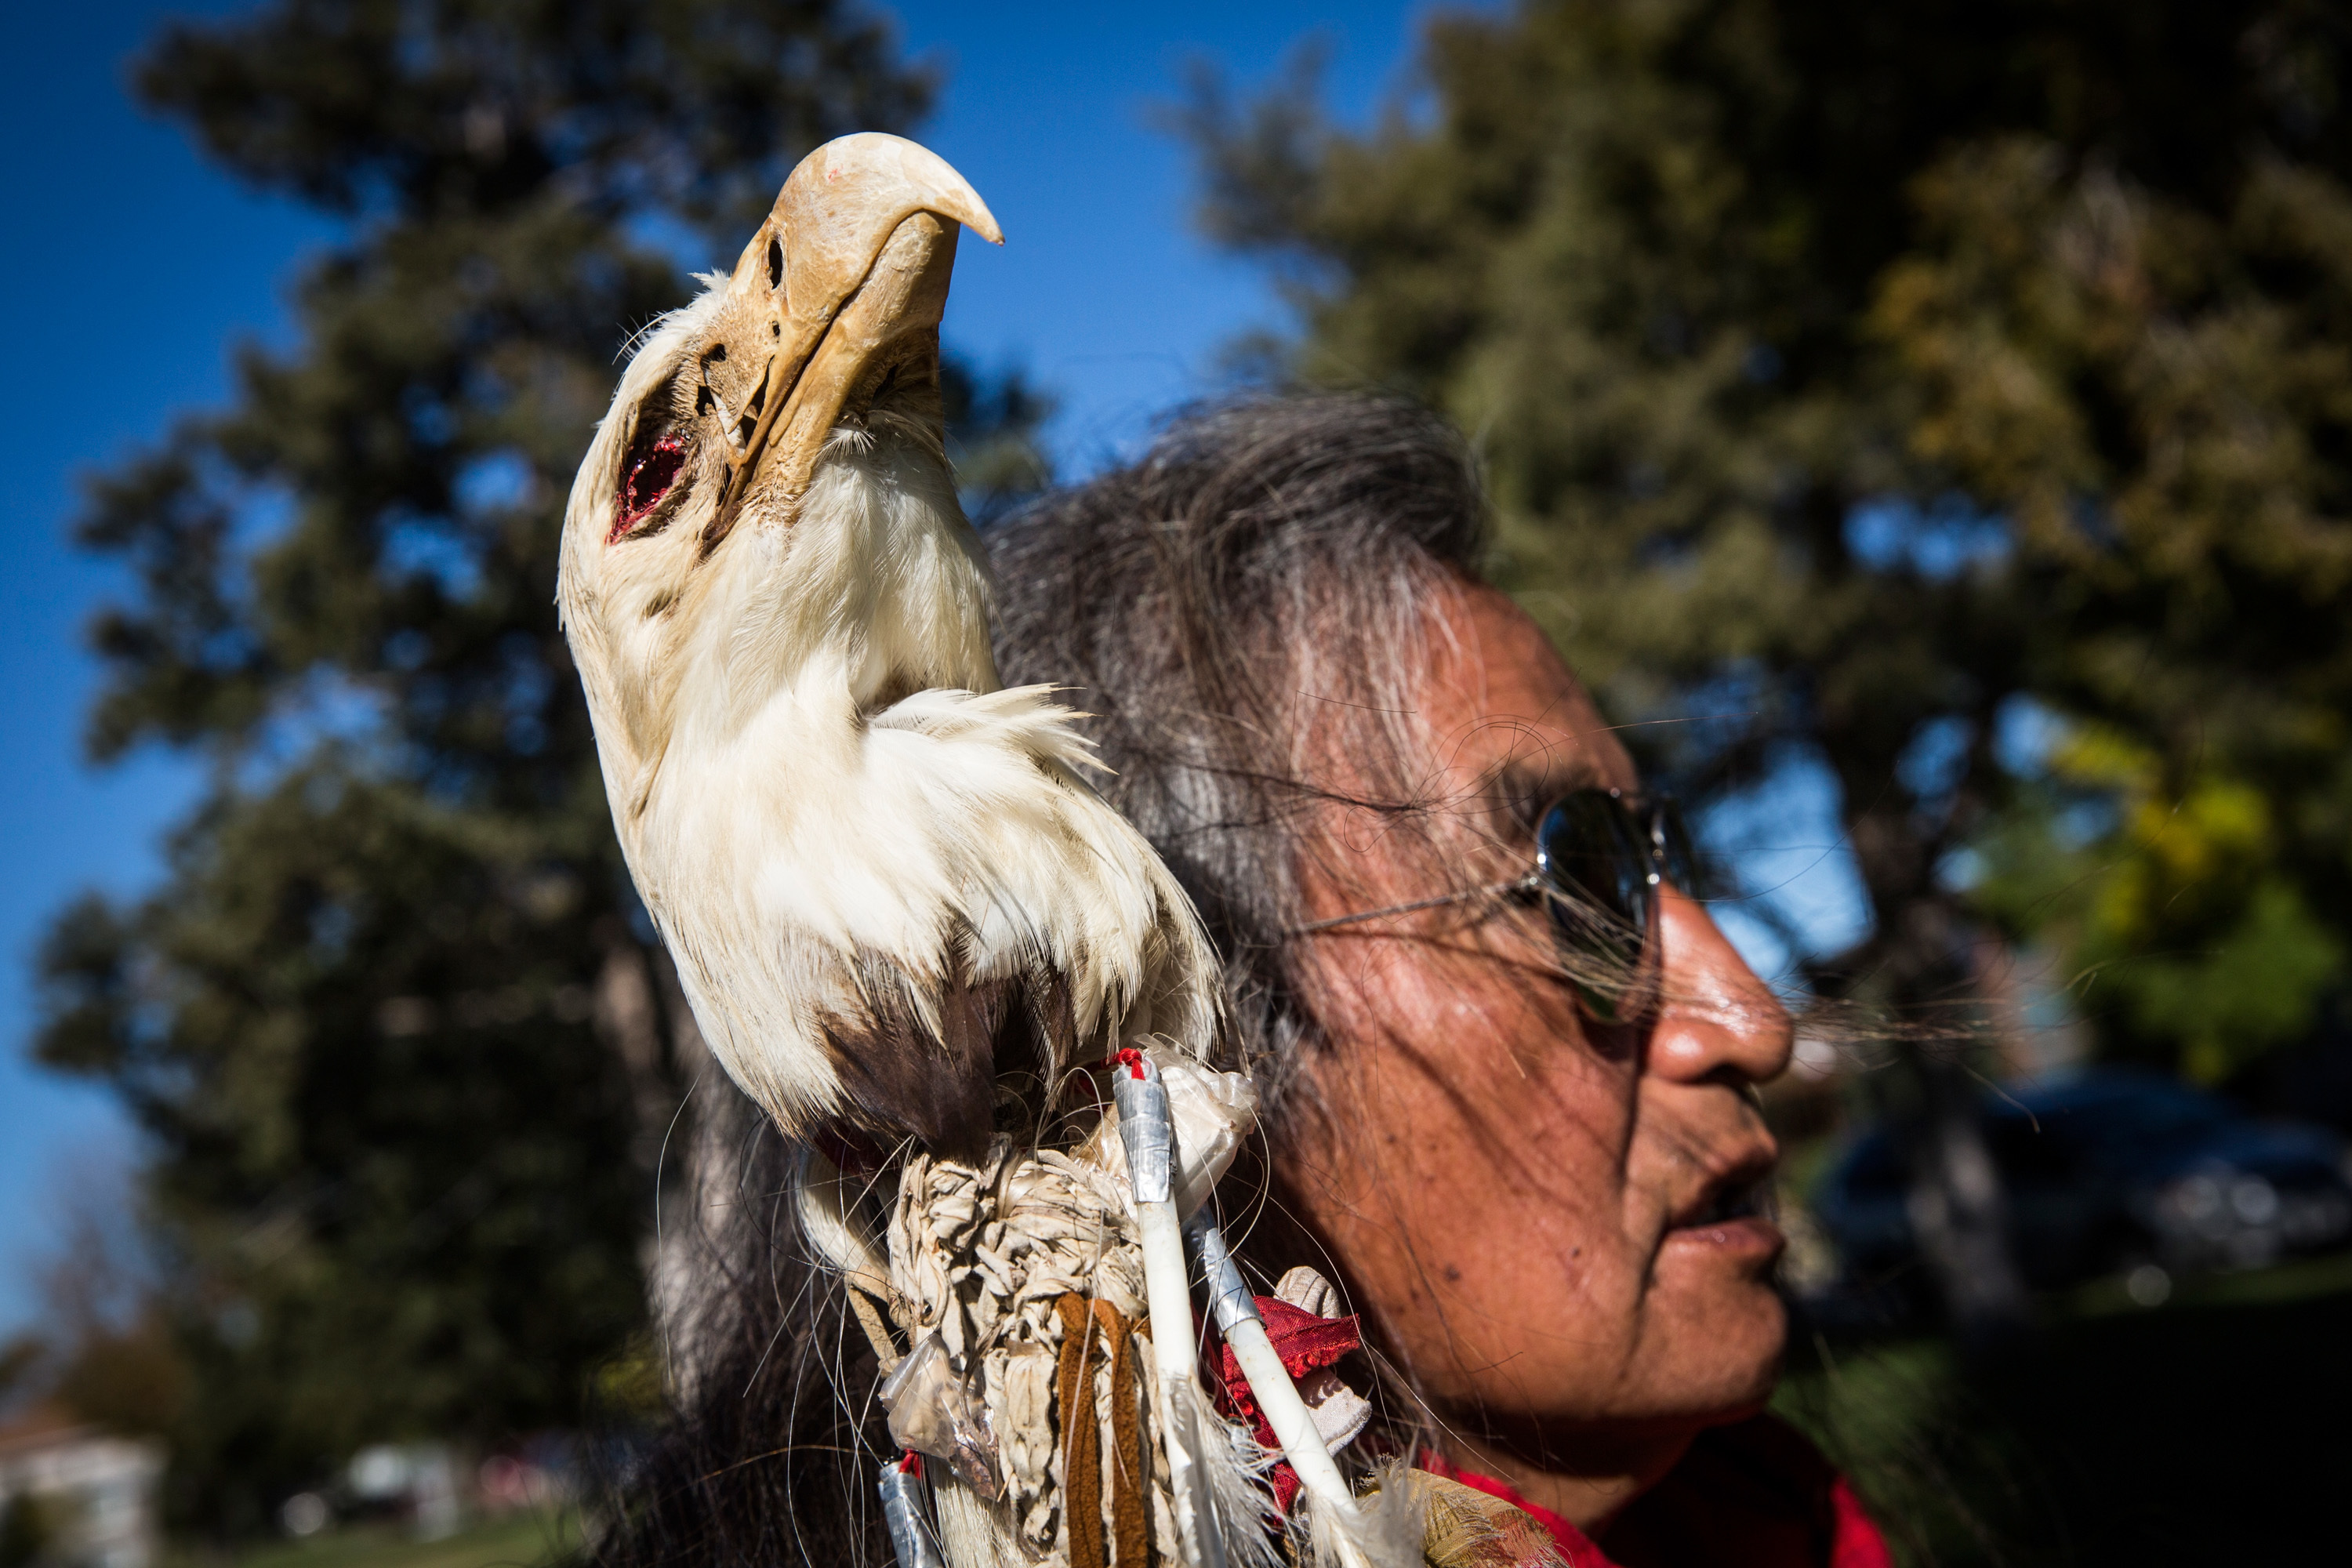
841, 290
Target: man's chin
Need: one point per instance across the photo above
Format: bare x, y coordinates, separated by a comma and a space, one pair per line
1720, 1348
1751, 1360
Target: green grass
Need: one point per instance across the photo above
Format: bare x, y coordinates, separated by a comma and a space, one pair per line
517, 1541
2296, 1281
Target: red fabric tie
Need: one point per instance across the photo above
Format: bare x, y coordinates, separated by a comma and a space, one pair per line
1304, 1343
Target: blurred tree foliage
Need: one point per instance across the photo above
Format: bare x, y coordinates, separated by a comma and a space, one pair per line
103, 1348
393, 1023
1957, 394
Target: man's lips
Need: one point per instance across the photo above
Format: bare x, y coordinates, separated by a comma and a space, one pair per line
1728, 1219
1750, 1238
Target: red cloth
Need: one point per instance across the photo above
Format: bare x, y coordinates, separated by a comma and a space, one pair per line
1304, 1343
1756, 1494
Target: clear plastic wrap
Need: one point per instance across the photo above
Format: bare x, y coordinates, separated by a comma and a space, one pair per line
935, 1411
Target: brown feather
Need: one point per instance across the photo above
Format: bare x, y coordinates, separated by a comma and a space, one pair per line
994, 1036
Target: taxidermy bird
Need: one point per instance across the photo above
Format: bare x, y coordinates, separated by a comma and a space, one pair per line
884, 879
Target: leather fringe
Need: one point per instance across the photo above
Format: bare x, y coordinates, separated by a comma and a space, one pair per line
1074, 1397
1131, 1524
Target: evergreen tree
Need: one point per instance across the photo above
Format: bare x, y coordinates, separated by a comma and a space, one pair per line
1904, 381
397, 1030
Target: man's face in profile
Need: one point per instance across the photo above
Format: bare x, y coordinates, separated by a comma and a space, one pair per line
1546, 1218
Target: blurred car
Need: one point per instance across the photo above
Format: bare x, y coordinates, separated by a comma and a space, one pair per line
2110, 1171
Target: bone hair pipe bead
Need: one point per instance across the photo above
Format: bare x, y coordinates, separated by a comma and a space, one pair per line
1149, 1133
1237, 1318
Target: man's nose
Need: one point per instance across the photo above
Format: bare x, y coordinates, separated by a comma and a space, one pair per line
1716, 1017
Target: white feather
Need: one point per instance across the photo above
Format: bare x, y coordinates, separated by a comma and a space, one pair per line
972, 1532
1384, 1530
1235, 1467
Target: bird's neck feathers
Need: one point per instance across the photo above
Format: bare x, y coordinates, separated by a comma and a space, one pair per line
873, 591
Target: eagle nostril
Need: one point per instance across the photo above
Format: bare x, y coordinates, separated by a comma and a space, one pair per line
775, 264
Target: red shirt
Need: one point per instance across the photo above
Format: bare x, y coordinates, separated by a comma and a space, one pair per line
1756, 1494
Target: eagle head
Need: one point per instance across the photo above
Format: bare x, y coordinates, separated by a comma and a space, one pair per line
768, 508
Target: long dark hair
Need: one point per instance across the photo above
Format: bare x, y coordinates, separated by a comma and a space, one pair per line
1266, 564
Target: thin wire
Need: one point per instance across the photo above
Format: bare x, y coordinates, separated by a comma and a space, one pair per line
669, 1354
1527, 884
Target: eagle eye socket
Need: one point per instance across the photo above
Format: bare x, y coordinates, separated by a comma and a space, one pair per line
650, 475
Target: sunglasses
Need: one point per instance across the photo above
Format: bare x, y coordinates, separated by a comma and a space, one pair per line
1602, 856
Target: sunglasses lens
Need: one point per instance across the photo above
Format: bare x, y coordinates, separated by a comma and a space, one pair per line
1599, 857
1589, 850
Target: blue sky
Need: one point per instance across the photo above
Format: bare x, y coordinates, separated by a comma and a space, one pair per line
136, 268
